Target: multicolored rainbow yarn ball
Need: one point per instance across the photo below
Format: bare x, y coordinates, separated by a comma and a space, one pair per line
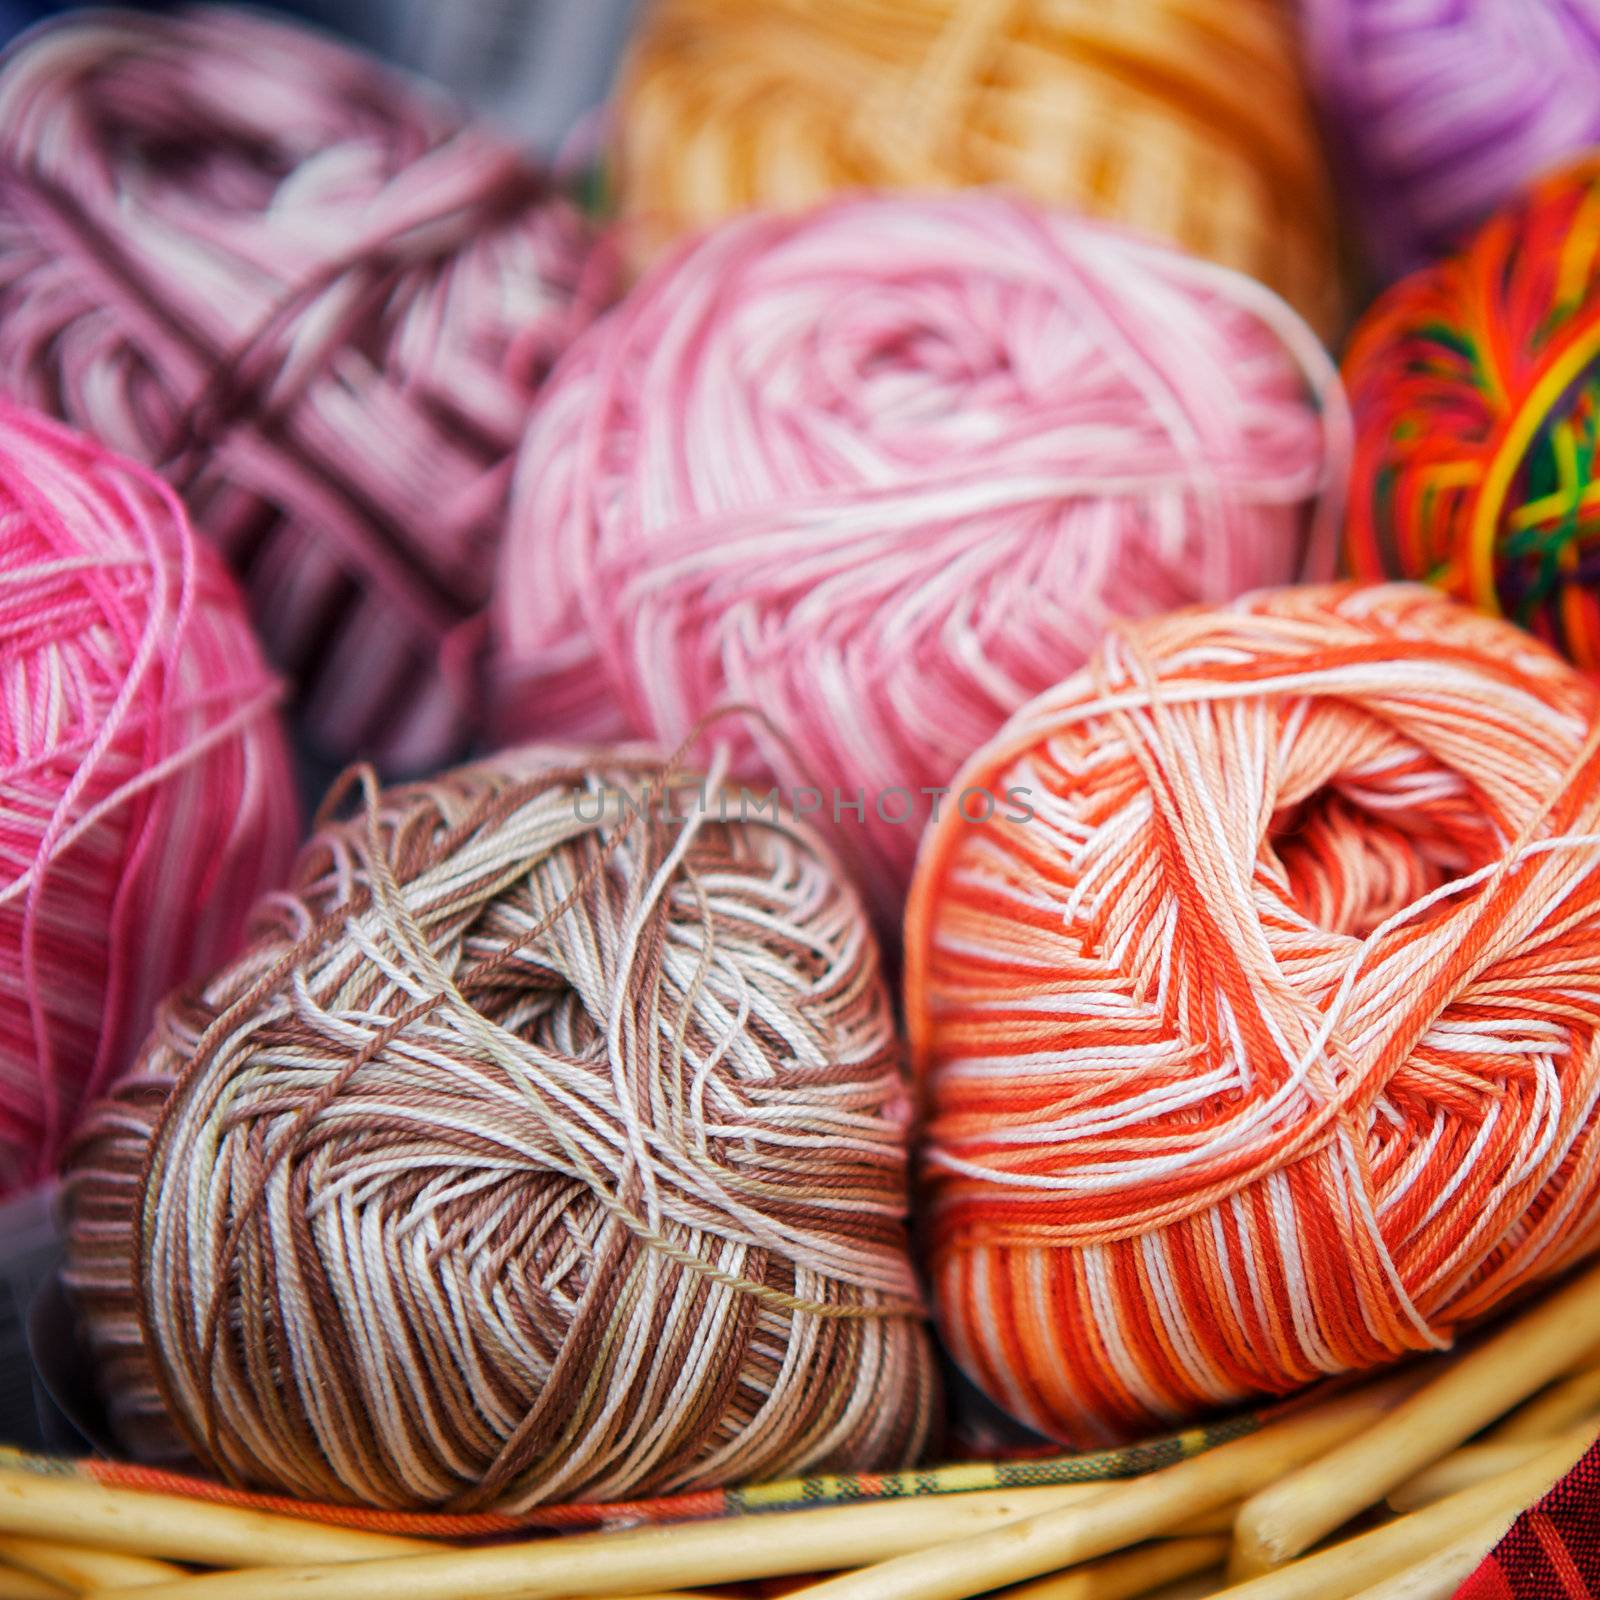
1476, 390
1261, 1043
146, 795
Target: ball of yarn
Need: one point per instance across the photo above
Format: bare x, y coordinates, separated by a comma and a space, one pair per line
1185, 118
1441, 110
1476, 391
1263, 1046
548, 1142
147, 790
885, 471
318, 302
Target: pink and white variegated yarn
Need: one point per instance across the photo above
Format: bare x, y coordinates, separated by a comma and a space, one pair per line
146, 795
887, 470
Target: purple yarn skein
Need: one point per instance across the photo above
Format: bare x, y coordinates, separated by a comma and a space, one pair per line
1440, 110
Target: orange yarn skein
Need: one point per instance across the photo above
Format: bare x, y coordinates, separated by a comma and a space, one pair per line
1184, 118
1268, 1045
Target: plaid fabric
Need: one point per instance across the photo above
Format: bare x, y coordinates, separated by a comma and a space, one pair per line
792, 1494
1552, 1551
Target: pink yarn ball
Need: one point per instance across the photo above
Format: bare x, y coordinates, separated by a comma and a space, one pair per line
886, 471
146, 794
319, 303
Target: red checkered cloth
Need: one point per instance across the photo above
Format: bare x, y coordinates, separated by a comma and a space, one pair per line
1552, 1551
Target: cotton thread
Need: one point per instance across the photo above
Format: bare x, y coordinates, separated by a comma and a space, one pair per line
886, 470
1476, 390
566, 1125
145, 789
320, 303
1441, 111
1269, 1049
1184, 118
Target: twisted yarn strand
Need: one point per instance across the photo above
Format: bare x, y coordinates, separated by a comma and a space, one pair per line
1269, 1046
548, 1143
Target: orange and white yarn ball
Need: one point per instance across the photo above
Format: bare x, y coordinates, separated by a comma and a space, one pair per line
1263, 1041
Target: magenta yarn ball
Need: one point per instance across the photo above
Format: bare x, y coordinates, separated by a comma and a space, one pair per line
146, 794
1439, 111
884, 472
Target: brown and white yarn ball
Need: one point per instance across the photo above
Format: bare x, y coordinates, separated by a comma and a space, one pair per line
549, 1142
